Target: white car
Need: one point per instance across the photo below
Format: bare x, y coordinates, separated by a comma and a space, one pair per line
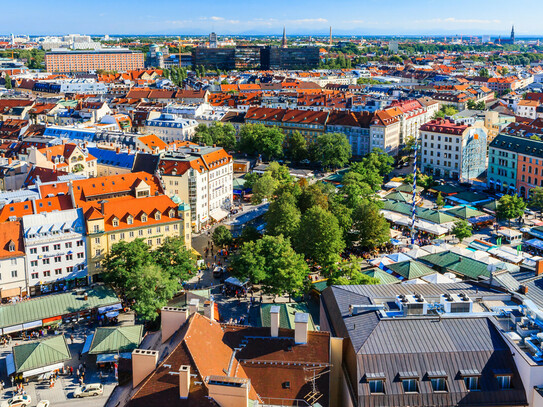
17, 401
93, 389
43, 403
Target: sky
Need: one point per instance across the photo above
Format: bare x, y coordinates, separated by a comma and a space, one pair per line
300, 17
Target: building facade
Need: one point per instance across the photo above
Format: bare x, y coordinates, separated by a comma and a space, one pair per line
56, 250
88, 61
502, 163
453, 151
13, 281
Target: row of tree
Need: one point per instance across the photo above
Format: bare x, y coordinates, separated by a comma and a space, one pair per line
332, 150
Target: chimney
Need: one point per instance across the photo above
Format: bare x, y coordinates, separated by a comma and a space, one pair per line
171, 319
102, 206
301, 320
274, 320
194, 305
539, 267
229, 391
523, 289
143, 364
209, 310
34, 210
10, 160
184, 382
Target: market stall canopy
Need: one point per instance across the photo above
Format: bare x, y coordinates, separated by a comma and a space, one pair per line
116, 339
218, 214
236, 282
34, 355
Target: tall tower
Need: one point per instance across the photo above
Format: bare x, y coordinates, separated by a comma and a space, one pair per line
331, 42
513, 34
284, 42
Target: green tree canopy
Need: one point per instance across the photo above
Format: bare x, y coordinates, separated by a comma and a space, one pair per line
175, 259
272, 262
283, 216
249, 234
440, 202
349, 274
7, 81
461, 229
510, 207
536, 198
332, 150
370, 229
296, 147
221, 236
319, 236
222, 135
258, 139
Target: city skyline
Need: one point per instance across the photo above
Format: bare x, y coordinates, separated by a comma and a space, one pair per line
369, 17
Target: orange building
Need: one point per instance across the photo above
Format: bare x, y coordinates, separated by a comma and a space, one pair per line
529, 173
86, 61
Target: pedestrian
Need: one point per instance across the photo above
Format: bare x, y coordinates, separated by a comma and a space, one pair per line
72, 338
1, 386
77, 372
12, 381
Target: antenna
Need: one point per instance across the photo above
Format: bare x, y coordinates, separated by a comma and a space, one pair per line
311, 376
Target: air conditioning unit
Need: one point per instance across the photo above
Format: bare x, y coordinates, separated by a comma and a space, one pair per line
412, 304
454, 304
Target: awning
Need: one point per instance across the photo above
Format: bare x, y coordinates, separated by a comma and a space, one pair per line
112, 314
13, 328
10, 292
10, 364
52, 321
88, 343
41, 370
235, 281
112, 357
108, 308
34, 324
218, 214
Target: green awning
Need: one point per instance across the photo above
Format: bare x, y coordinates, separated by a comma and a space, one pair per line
116, 339
46, 352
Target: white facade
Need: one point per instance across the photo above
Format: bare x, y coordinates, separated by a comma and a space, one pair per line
171, 127
55, 247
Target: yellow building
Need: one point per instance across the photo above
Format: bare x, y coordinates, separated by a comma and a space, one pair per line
124, 208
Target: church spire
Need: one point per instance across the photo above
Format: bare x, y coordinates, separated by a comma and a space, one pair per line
284, 42
513, 34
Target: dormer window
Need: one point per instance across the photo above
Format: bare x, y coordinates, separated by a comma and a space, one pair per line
130, 219
157, 215
115, 222
410, 382
471, 379
11, 246
144, 218
171, 214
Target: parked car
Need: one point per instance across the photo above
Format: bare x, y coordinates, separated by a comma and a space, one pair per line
43, 403
17, 401
92, 389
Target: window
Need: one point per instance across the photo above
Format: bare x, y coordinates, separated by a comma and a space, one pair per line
58, 271
13, 273
97, 240
45, 249
472, 383
112, 237
33, 250
377, 386
96, 228
98, 252
13, 262
140, 232
130, 220
70, 269
149, 231
56, 247
79, 243
150, 242
157, 215
69, 257
121, 236
45, 261
68, 245
410, 385
115, 222
58, 259
439, 383
131, 234
158, 241
34, 276
504, 381
80, 255
34, 263
47, 274
144, 218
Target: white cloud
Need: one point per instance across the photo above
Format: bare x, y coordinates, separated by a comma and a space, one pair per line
214, 18
308, 20
453, 20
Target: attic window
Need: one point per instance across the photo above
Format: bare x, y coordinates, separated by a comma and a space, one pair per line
171, 214
144, 218
11, 246
157, 215
115, 222
130, 220
286, 385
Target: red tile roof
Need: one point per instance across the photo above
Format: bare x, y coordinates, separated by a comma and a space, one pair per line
11, 232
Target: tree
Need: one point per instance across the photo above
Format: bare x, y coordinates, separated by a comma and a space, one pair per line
440, 202
202, 135
332, 150
297, 147
174, 258
264, 188
355, 189
312, 195
536, 199
484, 73
319, 236
221, 236
250, 179
461, 229
249, 234
7, 81
144, 279
370, 229
510, 206
446, 111
350, 274
409, 147
273, 263
258, 139
283, 217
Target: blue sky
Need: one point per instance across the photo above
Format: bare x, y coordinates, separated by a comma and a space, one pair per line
356, 17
